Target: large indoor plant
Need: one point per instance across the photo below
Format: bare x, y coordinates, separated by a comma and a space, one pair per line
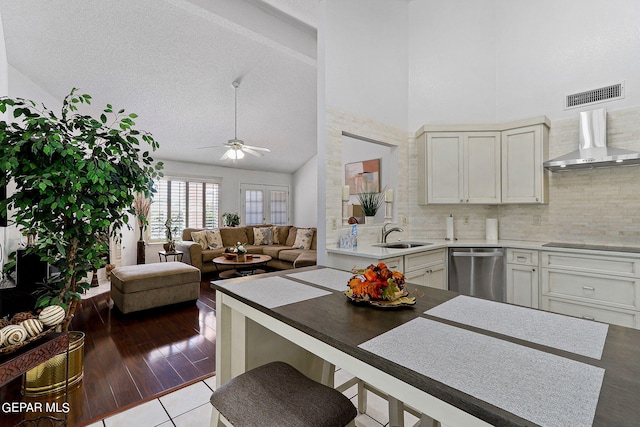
75, 176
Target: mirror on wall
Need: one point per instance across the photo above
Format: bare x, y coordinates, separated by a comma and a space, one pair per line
371, 165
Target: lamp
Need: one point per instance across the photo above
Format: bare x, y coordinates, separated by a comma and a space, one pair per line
234, 153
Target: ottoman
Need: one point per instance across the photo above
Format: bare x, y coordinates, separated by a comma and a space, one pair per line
139, 287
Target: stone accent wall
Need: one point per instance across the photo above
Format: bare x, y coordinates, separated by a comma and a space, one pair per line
600, 206
337, 122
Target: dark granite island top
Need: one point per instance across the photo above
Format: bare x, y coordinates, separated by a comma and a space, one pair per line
331, 320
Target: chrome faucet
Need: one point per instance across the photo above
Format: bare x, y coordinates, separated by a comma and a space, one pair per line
386, 232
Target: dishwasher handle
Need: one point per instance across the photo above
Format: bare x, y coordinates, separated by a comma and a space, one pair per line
478, 254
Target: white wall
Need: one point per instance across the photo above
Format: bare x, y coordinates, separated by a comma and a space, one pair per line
547, 49
305, 195
478, 61
366, 59
452, 61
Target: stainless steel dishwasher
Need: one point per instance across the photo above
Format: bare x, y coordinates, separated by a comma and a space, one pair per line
478, 272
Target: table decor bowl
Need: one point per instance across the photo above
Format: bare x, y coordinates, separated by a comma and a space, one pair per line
378, 286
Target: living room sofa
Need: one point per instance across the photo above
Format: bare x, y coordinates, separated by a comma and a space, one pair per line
283, 253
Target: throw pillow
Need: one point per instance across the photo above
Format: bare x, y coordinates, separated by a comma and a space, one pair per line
200, 237
214, 239
304, 236
263, 236
274, 234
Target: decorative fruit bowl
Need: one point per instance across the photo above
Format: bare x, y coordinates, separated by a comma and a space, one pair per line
378, 286
25, 327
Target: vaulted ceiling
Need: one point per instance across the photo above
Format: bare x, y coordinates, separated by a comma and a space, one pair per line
173, 62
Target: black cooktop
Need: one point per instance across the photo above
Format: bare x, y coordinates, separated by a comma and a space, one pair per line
592, 247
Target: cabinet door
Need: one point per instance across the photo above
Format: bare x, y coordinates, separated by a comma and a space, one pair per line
444, 167
522, 285
482, 167
523, 177
433, 276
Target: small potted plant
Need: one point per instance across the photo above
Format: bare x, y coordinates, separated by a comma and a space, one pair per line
170, 230
230, 219
240, 250
370, 202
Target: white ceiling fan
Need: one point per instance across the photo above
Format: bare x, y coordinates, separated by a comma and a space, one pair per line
236, 147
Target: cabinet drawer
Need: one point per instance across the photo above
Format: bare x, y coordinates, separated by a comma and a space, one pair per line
393, 264
612, 290
595, 263
622, 318
522, 257
424, 259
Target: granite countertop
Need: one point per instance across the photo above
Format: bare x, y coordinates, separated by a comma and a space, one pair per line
373, 251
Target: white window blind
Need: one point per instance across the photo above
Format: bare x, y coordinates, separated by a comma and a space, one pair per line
278, 207
189, 203
253, 213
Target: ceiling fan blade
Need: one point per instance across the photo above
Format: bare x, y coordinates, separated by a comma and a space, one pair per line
251, 151
211, 146
257, 148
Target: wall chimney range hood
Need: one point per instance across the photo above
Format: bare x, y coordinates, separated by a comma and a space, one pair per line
593, 151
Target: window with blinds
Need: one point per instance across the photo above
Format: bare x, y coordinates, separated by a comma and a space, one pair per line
188, 203
253, 213
265, 204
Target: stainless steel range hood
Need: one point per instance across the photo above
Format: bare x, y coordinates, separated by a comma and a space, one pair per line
593, 151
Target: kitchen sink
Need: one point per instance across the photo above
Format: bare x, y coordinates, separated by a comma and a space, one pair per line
402, 245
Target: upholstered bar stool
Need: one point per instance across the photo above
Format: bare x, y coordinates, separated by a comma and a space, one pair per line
278, 395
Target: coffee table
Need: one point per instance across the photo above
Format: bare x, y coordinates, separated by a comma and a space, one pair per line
248, 267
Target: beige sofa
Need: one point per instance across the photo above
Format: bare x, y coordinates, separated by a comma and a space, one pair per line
283, 255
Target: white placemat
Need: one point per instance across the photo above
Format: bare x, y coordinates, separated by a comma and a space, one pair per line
571, 334
540, 387
273, 292
327, 278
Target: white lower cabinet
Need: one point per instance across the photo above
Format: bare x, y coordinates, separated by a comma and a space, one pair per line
427, 268
522, 277
348, 262
597, 287
591, 312
522, 285
434, 276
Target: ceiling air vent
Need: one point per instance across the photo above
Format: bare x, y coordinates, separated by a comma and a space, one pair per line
594, 96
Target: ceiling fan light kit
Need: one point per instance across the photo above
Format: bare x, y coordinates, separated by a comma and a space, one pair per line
236, 148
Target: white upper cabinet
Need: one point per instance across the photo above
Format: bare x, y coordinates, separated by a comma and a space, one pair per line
524, 179
463, 167
483, 164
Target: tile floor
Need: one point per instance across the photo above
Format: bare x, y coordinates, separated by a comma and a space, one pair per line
189, 407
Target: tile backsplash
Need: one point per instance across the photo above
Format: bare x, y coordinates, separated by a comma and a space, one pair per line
600, 206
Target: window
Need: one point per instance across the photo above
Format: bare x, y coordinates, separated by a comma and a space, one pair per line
265, 204
189, 203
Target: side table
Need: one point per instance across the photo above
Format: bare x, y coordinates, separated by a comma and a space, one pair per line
177, 255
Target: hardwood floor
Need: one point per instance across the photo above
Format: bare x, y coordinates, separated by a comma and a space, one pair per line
135, 357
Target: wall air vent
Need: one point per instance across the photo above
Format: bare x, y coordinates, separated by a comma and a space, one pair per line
594, 96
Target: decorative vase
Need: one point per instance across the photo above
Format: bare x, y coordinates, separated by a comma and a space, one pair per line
241, 257
141, 232
140, 255
368, 220
50, 377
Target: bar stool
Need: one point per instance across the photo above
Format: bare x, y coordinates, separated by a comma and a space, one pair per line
278, 395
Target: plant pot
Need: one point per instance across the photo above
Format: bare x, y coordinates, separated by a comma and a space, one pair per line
368, 220
50, 377
241, 257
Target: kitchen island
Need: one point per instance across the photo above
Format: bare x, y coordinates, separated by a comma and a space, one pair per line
306, 309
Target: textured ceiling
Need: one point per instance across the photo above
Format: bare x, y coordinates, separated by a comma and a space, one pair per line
173, 62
